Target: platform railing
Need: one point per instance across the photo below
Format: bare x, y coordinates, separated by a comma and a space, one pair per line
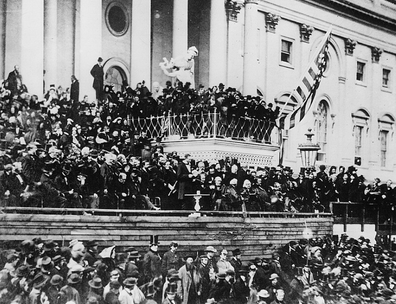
143, 212
207, 125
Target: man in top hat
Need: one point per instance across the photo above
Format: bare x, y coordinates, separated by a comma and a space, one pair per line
131, 294
97, 74
95, 289
171, 259
236, 261
152, 260
171, 295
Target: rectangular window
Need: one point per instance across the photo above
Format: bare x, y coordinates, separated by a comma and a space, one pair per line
360, 71
358, 140
286, 51
385, 77
384, 146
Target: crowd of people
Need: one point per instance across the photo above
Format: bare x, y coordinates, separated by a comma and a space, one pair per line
316, 270
62, 152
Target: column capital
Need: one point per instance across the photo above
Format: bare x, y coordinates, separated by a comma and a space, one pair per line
232, 8
271, 21
376, 54
350, 46
305, 32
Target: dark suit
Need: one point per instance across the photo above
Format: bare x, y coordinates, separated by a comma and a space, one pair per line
14, 81
185, 185
98, 73
75, 91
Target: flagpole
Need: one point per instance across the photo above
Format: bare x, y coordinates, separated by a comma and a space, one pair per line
310, 63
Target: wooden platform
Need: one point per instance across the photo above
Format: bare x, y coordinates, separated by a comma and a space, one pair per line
256, 234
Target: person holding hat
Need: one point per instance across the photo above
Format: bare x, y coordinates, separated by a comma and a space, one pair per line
96, 289
171, 258
97, 74
152, 260
190, 288
131, 294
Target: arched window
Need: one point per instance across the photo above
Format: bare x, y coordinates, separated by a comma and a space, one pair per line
386, 129
321, 119
360, 122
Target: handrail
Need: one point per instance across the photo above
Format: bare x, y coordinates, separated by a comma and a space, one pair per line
127, 212
207, 125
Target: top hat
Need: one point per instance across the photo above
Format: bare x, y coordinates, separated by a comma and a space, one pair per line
95, 283
154, 240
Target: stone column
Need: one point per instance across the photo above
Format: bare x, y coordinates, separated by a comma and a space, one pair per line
50, 43
32, 48
180, 28
218, 43
141, 42
250, 53
90, 34
3, 11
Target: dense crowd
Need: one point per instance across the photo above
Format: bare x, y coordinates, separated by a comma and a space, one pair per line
318, 270
58, 152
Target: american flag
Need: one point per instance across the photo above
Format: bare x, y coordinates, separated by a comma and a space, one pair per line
305, 92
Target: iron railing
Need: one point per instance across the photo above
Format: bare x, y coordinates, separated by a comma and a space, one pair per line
207, 125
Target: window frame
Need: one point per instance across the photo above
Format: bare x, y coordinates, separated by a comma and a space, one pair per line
290, 63
364, 76
387, 88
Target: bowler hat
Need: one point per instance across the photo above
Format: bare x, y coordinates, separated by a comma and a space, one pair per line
236, 252
210, 249
22, 271
263, 293
39, 280
56, 280
74, 278
95, 283
273, 276
130, 282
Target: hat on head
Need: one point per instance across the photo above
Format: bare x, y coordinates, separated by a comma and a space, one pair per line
39, 280
100, 59
92, 243
236, 252
129, 249
115, 284
74, 278
273, 276
154, 240
130, 282
95, 283
56, 280
22, 271
172, 287
210, 249
221, 275
73, 242
46, 261
134, 254
194, 50
263, 293
174, 244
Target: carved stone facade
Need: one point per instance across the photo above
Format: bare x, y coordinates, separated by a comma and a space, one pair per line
233, 8
305, 32
376, 54
271, 21
350, 46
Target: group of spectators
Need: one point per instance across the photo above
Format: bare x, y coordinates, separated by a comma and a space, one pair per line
63, 152
318, 270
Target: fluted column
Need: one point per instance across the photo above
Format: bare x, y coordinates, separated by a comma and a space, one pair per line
90, 34
180, 28
250, 53
32, 51
50, 42
218, 43
141, 42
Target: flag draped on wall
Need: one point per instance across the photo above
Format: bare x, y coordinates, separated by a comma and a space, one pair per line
305, 92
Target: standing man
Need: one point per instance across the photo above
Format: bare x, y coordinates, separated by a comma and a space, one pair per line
190, 288
171, 259
98, 73
75, 89
152, 261
14, 81
184, 177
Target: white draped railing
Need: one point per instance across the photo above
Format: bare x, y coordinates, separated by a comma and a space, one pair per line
207, 125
